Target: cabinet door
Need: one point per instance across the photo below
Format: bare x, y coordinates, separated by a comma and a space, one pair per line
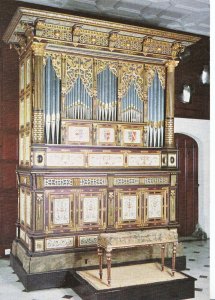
91, 210
155, 207
128, 208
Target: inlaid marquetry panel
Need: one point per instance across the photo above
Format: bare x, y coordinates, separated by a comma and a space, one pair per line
92, 210
61, 210
156, 206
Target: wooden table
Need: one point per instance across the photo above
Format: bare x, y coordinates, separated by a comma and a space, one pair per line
139, 238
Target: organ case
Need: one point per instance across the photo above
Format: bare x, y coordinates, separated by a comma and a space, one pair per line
96, 133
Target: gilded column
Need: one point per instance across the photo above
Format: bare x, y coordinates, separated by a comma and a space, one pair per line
170, 102
38, 102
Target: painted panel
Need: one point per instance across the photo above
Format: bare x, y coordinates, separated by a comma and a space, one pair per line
22, 77
61, 211
78, 134
106, 135
89, 240
21, 113
28, 109
28, 71
56, 159
28, 208
90, 209
22, 205
105, 160
22, 234
143, 160
132, 136
59, 243
129, 207
154, 206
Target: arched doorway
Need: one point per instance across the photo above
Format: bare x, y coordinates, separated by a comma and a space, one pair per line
187, 204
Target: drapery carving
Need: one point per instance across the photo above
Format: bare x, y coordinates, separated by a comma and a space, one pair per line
56, 62
79, 67
101, 65
151, 70
132, 73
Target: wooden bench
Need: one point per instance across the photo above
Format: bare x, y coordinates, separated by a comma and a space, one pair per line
140, 238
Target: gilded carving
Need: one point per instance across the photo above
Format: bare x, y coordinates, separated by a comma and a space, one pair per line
169, 132
79, 67
132, 73
176, 49
125, 42
150, 74
56, 62
171, 65
172, 205
39, 211
38, 48
53, 31
154, 46
101, 65
90, 37
38, 127
40, 182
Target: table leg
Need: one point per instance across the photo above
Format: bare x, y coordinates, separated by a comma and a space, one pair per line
100, 253
162, 256
108, 256
173, 258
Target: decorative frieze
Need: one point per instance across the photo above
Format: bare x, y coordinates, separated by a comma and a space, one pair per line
48, 182
59, 243
88, 240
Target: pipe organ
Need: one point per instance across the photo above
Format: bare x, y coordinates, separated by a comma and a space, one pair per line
96, 134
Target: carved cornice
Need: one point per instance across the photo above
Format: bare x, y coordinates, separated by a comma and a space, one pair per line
80, 32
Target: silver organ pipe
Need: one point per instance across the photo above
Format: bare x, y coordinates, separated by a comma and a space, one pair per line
78, 102
52, 86
155, 113
132, 106
106, 96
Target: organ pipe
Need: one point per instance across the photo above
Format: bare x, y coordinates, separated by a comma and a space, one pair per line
155, 113
52, 104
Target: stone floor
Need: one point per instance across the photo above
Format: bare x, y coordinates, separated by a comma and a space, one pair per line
197, 253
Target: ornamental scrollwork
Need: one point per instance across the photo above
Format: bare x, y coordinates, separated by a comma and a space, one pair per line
79, 67
150, 74
132, 73
56, 62
101, 65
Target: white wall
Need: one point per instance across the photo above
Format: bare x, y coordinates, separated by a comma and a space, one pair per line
200, 131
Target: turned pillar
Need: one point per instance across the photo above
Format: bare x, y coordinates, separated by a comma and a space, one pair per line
170, 102
38, 101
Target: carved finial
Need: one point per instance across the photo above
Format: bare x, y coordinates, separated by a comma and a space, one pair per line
176, 49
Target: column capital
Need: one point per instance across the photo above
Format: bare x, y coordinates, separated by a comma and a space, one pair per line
38, 48
171, 65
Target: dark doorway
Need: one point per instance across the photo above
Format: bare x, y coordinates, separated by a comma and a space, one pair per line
187, 204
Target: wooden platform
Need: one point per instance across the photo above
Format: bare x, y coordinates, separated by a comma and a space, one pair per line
139, 282
69, 277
